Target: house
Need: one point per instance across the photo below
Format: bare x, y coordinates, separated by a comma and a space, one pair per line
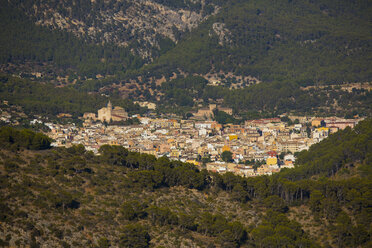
341, 124
207, 113
316, 122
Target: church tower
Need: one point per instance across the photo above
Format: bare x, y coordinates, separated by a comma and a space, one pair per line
109, 111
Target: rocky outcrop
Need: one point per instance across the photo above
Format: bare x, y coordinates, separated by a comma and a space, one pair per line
223, 34
140, 24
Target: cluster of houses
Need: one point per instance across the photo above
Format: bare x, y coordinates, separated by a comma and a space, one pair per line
203, 142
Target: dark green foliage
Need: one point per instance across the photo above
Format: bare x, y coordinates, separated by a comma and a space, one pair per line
161, 216
10, 137
212, 224
145, 179
307, 41
327, 157
62, 200
103, 243
113, 154
153, 172
182, 91
33, 98
224, 118
118, 155
6, 212
276, 203
165, 44
134, 236
187, 222
21, 40
280, 97
239, 193
277, 230
266, 99
128, 191
133, 210
227, 156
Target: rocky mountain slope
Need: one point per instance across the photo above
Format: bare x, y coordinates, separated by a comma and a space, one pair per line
305, 41
146, 25
130, 48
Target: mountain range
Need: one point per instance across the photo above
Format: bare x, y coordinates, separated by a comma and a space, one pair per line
129, 49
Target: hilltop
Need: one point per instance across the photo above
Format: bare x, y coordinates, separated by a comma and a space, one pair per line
308, 41
311, 42
262, 58
70, 197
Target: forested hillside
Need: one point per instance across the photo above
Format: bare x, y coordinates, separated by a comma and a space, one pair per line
304, 41
21, 40
267, 99
44, 98
147, 27
262, 54
310, 42
70, 197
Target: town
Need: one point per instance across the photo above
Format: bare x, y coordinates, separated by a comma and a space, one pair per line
259, 147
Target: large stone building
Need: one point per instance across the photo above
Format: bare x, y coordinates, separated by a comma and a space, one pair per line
109, 114
207, 113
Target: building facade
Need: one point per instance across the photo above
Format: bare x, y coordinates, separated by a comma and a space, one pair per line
109, 114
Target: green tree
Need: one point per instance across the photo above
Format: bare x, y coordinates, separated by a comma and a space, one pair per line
275, 203
238, 193
133, 210
227, 240
134, 236
103, 243
227, 156
187, 221
342, 230
316, 199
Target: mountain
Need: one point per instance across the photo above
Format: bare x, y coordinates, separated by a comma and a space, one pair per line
147, 27
261, 58
311, 42
70, 197
27, 48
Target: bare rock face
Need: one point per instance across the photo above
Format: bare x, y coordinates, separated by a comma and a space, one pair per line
222, 33
140, 24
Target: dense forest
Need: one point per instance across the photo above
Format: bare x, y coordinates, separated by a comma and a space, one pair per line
148, 28
71, 197
285, 44
11, 138
309, 42
262, 100
46, 99
267, 99
21, 40
127, 199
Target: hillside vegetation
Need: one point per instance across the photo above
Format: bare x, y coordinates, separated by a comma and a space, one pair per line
148, 27
21, 40
310, 42
32, 97
267, 99
70, 197
285, 45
